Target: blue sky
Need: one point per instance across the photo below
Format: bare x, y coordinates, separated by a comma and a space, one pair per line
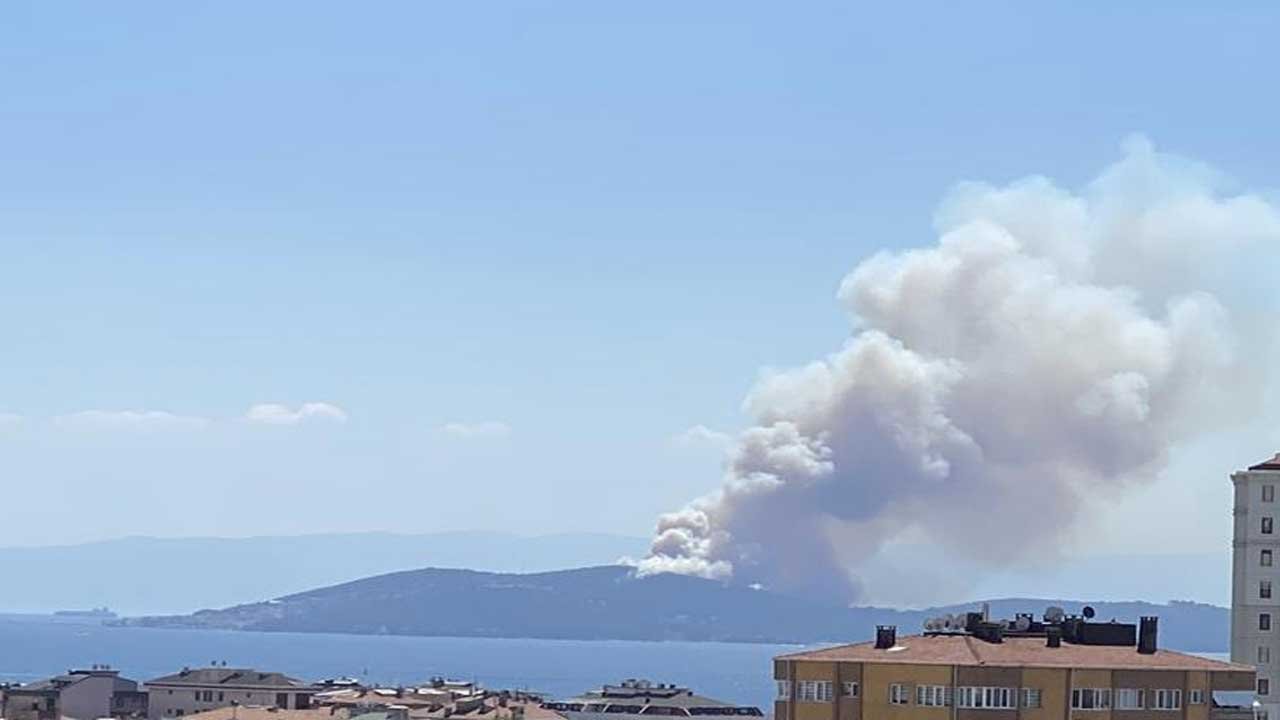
585, 226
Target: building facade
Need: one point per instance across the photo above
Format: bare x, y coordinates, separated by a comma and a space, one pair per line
1255, 582
201, 689
957, 676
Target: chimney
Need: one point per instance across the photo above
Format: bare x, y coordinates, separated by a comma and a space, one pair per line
1053, 637
886, 636
1147, 634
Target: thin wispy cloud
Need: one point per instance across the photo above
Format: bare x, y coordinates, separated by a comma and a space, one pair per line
129, 420
476, 430
277, 414
9, 421
700, 436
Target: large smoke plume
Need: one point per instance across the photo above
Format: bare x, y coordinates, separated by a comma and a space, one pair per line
1049, 347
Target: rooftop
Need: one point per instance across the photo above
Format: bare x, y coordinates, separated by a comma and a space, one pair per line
233, 677
1013, 652
1271, 464
58, 682
250, 712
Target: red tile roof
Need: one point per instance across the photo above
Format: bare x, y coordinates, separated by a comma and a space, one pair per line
1272, 464
1013, 652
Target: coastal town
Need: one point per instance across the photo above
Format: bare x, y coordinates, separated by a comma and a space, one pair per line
1051, 665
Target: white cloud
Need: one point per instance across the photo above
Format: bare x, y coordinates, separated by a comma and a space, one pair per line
128, 420
276, 414
702, 436
473, 430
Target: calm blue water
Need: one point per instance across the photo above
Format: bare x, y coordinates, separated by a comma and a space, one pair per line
35, 647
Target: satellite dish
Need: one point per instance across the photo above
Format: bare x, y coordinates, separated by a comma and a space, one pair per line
1088, 612
1022, 624
1054, 614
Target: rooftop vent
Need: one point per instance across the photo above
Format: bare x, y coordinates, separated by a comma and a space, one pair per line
1147, 634
886, 636
1053, 637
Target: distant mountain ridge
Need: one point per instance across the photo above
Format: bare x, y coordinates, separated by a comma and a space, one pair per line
610, 602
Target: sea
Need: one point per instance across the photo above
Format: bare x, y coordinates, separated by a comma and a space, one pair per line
37, 646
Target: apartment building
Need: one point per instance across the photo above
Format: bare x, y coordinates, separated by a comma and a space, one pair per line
98, 692
1060, 669
1254, 578
196, 690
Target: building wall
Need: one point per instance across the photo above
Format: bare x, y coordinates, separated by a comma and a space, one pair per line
815, 671
170, 702
1248, 573
88, 699
848, 708
1054, 684
877, 677
24, 706
1149, 682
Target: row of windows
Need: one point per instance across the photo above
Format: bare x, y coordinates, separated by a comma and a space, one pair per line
1132, 699
1004, 698
815, 690
925, 695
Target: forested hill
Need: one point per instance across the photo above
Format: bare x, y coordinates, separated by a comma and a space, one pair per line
609, 602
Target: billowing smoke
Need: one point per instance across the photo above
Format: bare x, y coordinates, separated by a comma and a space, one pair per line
1051, 346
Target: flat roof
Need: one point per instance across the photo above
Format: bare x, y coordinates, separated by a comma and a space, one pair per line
1013, 652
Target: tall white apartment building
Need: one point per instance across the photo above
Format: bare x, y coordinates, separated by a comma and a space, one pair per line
1255, 581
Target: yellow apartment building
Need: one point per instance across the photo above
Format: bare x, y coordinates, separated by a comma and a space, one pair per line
1021, 676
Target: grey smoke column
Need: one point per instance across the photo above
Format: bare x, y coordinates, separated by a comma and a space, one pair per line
1049, 345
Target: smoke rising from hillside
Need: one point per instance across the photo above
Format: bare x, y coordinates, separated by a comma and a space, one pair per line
1050, 346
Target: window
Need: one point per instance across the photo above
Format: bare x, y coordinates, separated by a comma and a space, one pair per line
1030, 697
1265, 558
986, 698
1264, 621
1264, 686
933, 695
1195, 697
1168, 700
1129, 699
1268, 493
1268, 524
784, 690
898, 694
1090, 699
850, 689
1264, 654
219, 696
1264, 589
813, 691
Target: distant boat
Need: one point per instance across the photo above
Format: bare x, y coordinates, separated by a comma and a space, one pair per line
101, 613
636, 698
